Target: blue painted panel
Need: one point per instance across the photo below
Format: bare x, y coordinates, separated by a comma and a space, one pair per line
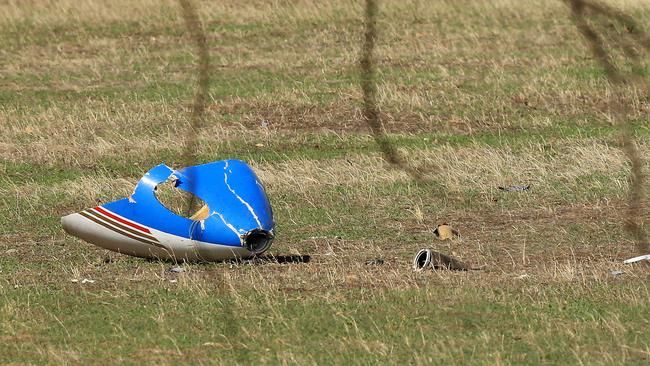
230, 188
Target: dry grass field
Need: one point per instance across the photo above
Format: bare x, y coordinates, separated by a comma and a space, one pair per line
93, 93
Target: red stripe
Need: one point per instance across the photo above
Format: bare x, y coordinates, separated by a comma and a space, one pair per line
131, 224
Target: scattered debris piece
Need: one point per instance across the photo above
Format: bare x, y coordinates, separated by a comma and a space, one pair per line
282, 259
176, 269
74, 280
439, 260
521, 277
422, 259
515, 188
173, 281
87, 280
444, 232
637, 259
259, 145
616, 272
375, 262
427, 258
236, 221
279, 259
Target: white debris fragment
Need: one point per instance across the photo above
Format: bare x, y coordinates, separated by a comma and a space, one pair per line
176, 269
84, 281
616, 272
637, 259
521, 277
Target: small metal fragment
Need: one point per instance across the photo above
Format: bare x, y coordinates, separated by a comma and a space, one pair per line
374, 262
637, 259
445, 231
427, 258
515, 188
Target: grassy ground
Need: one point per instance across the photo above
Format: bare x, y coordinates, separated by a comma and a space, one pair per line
490, 93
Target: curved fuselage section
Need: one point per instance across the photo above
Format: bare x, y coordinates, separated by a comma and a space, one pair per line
238, 221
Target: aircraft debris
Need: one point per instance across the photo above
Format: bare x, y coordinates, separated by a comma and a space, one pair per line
427, 258
637, 259
515, 188
278, 259
236, 221
375, 262
445, 231
84, 281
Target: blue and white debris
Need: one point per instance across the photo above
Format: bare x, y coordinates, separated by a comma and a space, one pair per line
235, 222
